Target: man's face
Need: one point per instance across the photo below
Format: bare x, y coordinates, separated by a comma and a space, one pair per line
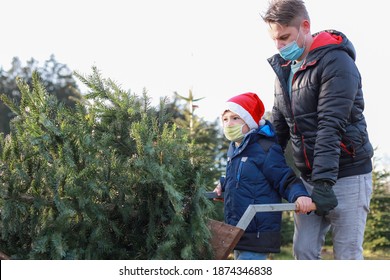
283, 35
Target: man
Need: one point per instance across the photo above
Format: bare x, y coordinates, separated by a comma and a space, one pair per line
319, 106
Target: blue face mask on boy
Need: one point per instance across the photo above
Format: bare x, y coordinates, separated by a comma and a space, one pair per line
292, 51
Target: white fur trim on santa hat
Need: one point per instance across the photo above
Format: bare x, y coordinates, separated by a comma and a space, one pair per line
244, 114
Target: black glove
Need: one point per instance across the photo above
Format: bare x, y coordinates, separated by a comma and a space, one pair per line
324, 198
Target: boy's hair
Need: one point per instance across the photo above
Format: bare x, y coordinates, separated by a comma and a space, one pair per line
286, 12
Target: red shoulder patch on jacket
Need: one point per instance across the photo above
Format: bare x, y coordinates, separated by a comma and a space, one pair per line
325, 38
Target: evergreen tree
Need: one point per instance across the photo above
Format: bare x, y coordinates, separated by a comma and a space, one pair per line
110, 179
377, 234
206, 138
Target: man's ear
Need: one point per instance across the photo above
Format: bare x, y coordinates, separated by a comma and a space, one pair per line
306, 26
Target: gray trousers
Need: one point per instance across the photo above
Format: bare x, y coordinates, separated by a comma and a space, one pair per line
346, 222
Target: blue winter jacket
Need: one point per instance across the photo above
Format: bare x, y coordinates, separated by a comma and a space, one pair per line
256, 176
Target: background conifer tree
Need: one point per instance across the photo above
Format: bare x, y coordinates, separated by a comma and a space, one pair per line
110, 179
56, 77
206, 137
377, 234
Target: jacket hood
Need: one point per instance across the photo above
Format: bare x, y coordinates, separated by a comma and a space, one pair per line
267, 130
331, 39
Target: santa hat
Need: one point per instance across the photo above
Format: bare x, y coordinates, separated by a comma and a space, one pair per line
249, 107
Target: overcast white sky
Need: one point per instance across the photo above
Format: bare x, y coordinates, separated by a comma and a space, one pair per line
217, 48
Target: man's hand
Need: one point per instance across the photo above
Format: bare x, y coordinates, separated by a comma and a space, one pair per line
324, 198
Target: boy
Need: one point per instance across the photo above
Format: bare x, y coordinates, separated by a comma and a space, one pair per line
256, 173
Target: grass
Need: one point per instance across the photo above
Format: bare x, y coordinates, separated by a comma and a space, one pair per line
327, 254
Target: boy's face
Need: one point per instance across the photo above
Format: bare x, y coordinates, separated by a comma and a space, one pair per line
230, 118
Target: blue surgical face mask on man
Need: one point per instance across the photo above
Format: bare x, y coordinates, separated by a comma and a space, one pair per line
292, 51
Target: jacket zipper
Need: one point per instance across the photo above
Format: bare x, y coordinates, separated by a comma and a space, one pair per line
296, 129
240, 170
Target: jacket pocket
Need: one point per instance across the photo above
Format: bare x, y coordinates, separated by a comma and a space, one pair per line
347, 147
306, 156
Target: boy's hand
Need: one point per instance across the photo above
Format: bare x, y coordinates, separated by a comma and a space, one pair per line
218, 190
304, 205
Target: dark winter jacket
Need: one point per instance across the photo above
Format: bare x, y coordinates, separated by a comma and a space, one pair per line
254, 176
324, 117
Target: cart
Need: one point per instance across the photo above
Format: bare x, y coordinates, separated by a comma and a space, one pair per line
225, 237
